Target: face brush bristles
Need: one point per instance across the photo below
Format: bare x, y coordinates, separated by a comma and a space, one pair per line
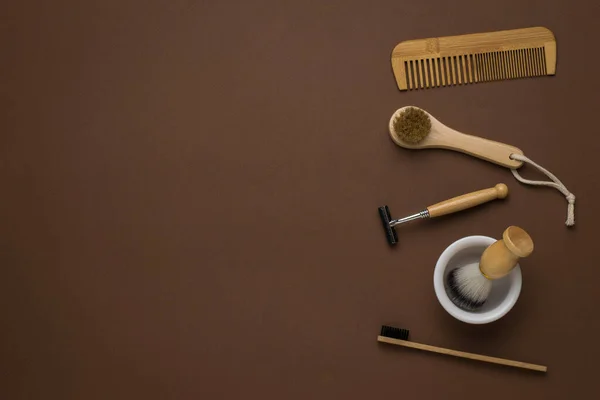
470, 285
412, 125
399, 337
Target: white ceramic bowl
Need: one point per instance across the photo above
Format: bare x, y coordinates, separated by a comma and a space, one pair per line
505, 291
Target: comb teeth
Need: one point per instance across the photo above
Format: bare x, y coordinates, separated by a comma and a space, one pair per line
394, 333
462, 69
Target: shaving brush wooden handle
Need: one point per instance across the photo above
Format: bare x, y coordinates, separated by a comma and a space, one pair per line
502, 256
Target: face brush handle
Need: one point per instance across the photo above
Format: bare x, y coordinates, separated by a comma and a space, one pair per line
502, 256
468, 200
485, 149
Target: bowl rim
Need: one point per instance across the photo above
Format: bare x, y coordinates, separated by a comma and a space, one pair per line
440, 291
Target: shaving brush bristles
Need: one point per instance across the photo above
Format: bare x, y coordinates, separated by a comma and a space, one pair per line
468, 288
412, 125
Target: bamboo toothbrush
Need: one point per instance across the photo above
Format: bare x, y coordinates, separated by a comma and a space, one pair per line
399, 337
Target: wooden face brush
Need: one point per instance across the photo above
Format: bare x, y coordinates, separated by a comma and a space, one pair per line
413, 128
399, 337
470, 286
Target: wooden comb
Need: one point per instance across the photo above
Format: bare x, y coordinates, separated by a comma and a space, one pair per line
474, 58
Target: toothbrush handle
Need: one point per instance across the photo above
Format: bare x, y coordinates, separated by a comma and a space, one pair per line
468, 200
462, 354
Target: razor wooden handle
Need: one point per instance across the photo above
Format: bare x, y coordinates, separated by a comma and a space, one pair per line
462, 354
468, 200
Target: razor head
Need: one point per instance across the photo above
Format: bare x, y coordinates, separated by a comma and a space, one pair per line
390, 232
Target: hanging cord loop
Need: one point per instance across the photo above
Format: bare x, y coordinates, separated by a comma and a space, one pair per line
556, 184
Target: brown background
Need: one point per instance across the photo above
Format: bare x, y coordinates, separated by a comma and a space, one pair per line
190, 192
